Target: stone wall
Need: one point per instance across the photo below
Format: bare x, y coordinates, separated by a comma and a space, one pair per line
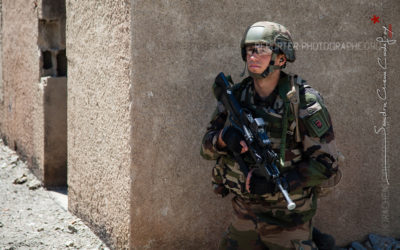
99, 160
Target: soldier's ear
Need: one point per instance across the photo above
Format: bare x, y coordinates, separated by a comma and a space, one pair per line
281, 60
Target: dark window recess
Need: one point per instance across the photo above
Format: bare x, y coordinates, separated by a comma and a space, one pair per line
47, 64
62, 63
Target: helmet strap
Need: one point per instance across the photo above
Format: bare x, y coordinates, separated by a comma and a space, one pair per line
244, 70
271, 67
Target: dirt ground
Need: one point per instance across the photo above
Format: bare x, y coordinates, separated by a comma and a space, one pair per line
32, 217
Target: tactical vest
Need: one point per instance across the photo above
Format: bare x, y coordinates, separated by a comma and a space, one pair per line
275, 116
279, 117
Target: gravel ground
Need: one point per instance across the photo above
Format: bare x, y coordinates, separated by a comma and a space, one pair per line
32, 217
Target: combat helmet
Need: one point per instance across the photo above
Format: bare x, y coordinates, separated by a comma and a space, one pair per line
276, 36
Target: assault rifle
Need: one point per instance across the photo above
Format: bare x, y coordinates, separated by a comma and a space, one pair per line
255, 137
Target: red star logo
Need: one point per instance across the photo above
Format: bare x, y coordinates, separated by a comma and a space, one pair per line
375, 19
318, 123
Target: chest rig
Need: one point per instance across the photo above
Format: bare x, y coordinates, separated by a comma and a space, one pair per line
281, 115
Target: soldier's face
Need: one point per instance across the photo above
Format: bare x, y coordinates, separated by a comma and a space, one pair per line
258, 58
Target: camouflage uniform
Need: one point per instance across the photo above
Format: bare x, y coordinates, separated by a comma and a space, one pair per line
264, 221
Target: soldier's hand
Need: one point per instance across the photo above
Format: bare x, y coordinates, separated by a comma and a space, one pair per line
256, 184
233, 139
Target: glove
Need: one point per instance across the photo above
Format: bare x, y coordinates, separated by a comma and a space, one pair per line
260, 185
232, 137
291, 180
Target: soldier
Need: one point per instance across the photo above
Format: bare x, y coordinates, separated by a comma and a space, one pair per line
300, 129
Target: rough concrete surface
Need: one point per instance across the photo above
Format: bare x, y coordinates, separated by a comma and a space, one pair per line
99, 160
178, 49
1, 61
55, 138
363, 202
176, 54
20, 72
24, 40
32, 217
139, 100
50, 131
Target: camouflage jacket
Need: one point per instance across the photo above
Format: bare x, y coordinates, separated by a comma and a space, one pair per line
314, 158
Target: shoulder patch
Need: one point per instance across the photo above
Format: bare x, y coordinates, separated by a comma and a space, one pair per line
315, 117
312, 111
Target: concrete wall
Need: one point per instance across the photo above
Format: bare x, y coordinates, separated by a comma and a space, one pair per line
20, 74
98, 52
29, 33
178, 49
349, 79
49, 158
1, 56
50, 130
139, 100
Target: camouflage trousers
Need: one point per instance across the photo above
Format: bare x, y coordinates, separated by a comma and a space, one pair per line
248, 233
